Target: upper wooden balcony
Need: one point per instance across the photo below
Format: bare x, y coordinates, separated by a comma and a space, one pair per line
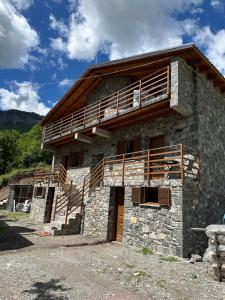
133, 100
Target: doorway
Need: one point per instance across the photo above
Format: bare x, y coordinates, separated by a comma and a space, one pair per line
119, 214
49, 204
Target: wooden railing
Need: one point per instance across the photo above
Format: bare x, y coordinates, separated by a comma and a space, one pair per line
57, 175
170, 162
146, 91
71, 199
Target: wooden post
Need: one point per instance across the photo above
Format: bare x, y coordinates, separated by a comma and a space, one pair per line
71, 129
182, 162
84, 115
51, 131
117, 103
60, 128
139, 94
168, 80
103, 170
68, 201
99, 111
67, 209
56, 202
148, 167
123, 169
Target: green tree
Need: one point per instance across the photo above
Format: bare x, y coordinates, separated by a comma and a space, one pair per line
29, 153
8, 146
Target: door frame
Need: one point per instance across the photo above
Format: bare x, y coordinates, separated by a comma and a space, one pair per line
116, 216
49, 205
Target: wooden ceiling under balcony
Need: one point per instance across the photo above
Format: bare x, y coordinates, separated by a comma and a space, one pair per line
136, 67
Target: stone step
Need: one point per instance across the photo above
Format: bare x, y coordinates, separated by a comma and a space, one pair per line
59, 228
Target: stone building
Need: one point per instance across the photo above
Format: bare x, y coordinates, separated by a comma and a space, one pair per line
138, 148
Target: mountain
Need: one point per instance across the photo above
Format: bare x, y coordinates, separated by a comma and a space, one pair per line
17, 119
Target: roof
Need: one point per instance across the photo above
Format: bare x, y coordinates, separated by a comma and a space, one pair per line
151, 60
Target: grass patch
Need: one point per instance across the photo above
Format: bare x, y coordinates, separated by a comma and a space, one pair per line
14, 215
146, 250
168, 258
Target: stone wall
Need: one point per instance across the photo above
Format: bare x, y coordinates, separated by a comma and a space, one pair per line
182, 87
198, 121
109, 85
193, 217
95, 222
38, 206
158, 228
211, 127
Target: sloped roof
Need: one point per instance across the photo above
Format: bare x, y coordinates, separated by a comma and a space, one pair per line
97, 72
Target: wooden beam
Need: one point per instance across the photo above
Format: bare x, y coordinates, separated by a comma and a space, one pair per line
102, 132
83, 138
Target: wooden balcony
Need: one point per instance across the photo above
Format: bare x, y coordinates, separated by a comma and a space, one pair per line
159, 164
126, 102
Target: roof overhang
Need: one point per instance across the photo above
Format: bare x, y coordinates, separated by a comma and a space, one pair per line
133, 65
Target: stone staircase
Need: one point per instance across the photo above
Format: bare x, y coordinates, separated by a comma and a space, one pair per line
60, 228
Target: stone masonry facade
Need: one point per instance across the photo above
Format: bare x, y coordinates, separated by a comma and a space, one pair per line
198, 121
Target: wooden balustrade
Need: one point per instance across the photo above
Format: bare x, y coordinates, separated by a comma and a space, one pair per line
152, 88
170, 162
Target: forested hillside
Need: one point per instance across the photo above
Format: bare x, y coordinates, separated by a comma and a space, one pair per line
19, 120
21, 151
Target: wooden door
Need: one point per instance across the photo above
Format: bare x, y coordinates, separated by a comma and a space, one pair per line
119, 197
156, 142
49, 204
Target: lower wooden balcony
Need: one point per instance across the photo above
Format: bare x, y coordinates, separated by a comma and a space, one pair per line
159, 164
146, 97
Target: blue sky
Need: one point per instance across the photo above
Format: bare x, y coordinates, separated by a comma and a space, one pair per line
47, 44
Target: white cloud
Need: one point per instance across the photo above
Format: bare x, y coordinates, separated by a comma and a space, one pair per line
120, 28
213, 44
60, 26
65, 82
17, 38
217, 5
24, 96
22, 4
58, 44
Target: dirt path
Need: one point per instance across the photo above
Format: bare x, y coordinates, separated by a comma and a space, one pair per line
107, 271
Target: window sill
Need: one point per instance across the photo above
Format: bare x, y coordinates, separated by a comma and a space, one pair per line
150, 204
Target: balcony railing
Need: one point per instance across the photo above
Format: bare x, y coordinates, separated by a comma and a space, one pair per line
170, 162
151, 89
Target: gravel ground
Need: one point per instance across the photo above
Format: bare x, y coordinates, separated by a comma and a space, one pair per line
106, 271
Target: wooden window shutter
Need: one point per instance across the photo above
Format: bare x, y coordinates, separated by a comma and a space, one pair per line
81, 158
164, 196
136, 196
137, 143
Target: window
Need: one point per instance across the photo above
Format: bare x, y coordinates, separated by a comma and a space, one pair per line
40, 192
76, 159
151, 196
130, 146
